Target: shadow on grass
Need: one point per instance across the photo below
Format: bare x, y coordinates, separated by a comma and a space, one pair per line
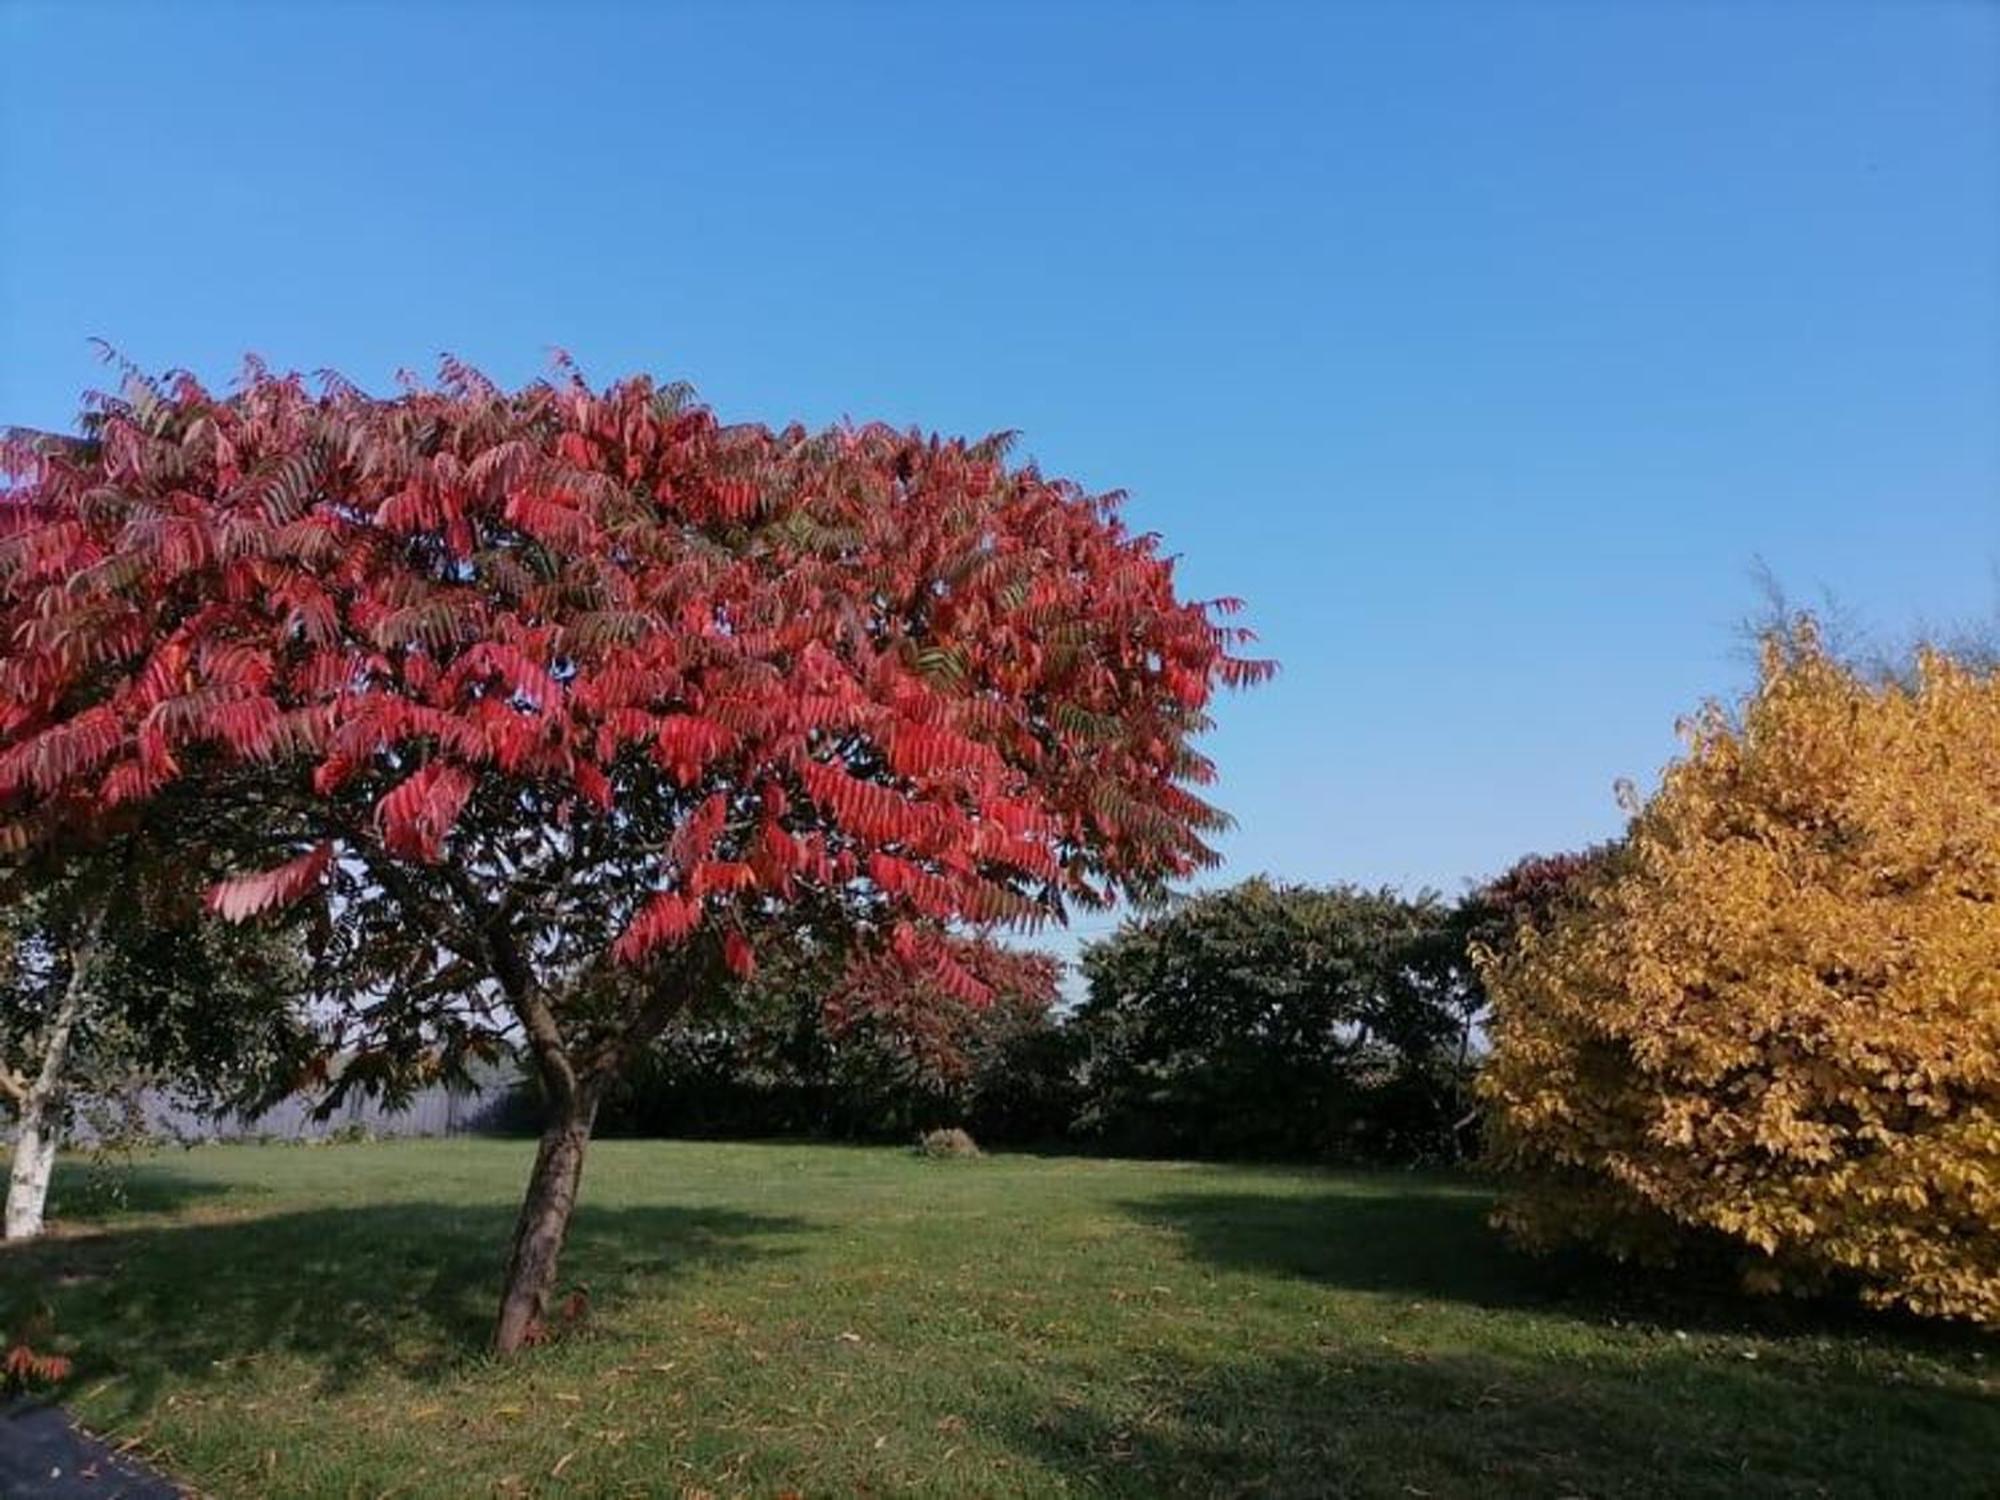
410, 1287
1430, 1240
1367, 1421
89, 1192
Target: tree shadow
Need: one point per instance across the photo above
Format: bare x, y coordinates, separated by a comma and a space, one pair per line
1430, 1240
86, 1192
1376, 1422
410, 1287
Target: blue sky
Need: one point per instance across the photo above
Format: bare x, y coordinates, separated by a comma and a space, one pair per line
1480, 347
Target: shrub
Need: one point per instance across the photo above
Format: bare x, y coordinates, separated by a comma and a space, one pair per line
23, 1370
1022, 1086
947, 1144
1772, 1018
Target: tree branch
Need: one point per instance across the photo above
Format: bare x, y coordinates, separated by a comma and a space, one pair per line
640, 1026
467, 945
55, 1053
516, 977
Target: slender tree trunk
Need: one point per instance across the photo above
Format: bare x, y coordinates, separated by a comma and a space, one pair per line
572, 1085
34, 1159
38, 1118
544, 1221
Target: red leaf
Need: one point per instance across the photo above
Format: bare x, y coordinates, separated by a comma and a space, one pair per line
663, 921
241, 897
418, 814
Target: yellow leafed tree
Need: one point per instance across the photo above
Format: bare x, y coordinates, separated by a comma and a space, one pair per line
1774, 1015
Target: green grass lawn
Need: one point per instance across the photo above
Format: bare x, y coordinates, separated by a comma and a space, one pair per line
287, 1321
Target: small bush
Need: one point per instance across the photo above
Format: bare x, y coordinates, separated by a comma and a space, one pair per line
942, 1145
22, 1370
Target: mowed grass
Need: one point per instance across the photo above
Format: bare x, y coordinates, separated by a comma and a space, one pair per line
830, 1321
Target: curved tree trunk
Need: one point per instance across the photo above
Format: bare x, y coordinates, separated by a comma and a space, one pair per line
544, 1221
572, 1086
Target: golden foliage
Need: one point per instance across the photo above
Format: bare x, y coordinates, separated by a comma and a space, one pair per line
1774, 1015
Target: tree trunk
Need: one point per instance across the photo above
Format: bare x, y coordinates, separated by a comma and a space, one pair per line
544, 1221
39, 1119
34, 1159
572, 1085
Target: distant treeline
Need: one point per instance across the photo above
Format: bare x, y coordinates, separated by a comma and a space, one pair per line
1265, 1020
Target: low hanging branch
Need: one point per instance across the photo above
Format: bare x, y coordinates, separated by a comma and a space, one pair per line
570, 700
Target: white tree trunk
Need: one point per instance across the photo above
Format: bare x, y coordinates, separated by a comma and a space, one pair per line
38, 1119
28, 1183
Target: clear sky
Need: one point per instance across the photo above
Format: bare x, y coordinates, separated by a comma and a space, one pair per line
1480, 347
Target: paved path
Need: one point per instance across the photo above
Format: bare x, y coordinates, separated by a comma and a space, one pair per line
45, 1456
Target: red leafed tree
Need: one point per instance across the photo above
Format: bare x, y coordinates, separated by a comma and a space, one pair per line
885, 997
553, 706
1531, 890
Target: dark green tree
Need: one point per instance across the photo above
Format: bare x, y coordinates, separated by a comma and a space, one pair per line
1281, 1019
